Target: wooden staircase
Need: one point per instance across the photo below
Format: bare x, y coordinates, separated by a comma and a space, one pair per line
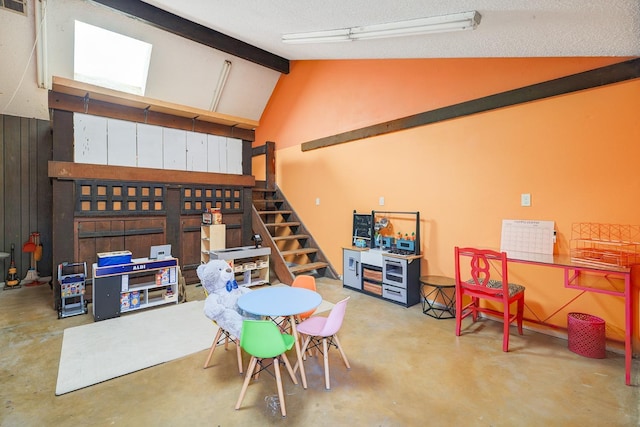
293, 249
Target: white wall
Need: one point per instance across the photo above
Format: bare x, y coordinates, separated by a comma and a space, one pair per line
181, 71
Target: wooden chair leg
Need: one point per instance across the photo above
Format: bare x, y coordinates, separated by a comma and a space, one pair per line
342, 353
213, 348
239, 354
325, 349
303, 351
252, 365
289, 368
276, 368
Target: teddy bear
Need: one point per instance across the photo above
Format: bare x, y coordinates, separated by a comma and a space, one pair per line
221, 305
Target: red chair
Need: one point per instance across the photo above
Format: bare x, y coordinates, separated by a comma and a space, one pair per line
474, 269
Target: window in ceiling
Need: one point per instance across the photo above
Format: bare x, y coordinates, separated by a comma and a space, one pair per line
110, 60
15, 5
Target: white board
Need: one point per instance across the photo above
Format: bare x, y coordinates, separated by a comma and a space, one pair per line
150, 150
197, 151
89, 139
527, 236
121, 143
174, 143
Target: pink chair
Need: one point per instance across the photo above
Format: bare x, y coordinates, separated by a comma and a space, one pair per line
324, 330
474, 279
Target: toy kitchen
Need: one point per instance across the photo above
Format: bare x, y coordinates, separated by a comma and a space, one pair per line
384, 259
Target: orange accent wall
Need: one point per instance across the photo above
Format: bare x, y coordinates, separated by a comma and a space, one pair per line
576, 154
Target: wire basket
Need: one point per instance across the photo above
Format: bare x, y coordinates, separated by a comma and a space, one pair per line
586, 335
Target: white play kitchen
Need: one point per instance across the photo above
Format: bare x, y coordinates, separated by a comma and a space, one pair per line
384, 259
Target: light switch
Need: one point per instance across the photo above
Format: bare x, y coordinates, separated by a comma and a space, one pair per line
525, 199
317, 201
381, 201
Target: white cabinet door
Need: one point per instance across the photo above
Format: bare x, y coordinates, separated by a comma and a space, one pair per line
89, 139
234, 156
215, 161
174, 143
197, 151
121, 143
150, 151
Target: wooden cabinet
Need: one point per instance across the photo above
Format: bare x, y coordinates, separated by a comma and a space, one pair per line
212, 238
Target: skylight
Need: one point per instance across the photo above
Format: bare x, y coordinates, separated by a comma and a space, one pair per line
110, 60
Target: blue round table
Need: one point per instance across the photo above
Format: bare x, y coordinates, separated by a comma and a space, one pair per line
278, 301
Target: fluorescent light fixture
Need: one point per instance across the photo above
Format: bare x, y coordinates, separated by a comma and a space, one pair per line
435, 24
222, 81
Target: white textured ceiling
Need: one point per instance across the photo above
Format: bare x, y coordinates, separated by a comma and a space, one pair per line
509, 28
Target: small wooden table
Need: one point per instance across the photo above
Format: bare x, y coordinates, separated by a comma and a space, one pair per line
436, 301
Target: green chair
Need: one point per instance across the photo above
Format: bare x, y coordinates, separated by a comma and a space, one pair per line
262, 339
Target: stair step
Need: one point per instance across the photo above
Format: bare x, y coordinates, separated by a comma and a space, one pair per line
303, 268
301, 251
275, 212
281, 224
268, 201
291, 237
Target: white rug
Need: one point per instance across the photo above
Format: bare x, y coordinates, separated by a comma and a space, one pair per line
111, 348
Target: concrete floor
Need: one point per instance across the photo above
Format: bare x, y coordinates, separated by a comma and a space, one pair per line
408, 369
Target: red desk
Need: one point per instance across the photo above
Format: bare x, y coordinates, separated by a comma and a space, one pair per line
572, 274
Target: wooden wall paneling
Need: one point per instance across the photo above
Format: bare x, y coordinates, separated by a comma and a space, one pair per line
85, 238
63, 199
142, 233
44, 197
173, 210
247, 194
25, 190
190, 247
13, 188
234, 228
149, 145
121, 143
197, 152
3, 245
26, 199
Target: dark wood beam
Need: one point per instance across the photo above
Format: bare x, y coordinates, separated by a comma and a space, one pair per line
74, 171
198, 33
602, 76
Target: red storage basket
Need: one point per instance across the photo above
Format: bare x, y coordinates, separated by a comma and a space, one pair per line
586, 335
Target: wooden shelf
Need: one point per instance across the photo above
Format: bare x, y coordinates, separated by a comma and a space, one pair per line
92, 92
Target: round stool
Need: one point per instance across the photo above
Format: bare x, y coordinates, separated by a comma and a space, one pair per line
438, 296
